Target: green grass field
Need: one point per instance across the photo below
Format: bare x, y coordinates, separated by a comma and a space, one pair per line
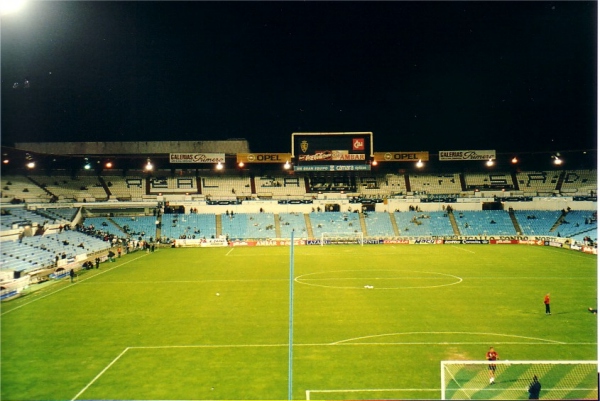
151, 326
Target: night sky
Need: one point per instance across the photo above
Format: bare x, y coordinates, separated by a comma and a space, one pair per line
509, 76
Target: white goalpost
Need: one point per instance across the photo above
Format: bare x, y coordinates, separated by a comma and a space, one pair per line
560, 380
342, 238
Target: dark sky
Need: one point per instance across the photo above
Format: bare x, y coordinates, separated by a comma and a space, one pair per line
420, 75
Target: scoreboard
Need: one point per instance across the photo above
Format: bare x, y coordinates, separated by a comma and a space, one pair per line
332, 151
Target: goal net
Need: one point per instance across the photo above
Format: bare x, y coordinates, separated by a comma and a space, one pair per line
341, 238
560, 380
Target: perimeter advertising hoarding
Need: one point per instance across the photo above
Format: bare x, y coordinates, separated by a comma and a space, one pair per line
196, 157
264, 157
332, 151
401, 156
453, 155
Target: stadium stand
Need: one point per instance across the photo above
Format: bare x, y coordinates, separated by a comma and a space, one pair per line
540, 183
379, 224
485, 222
580, 182
538, 222
435, 184
280, 186
20, 189
228, 186
188, 226
104, 225
138, 227
22, 217
248, 225
415, 223
289, 222
334, 223
578, 223
84, 187
489, 181
131, 187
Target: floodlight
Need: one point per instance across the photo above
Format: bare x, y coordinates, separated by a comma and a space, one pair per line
489, 163
149, 166
514, 160
419, 164
219, 166
287, 165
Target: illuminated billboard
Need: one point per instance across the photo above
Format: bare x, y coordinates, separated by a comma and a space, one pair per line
332, 151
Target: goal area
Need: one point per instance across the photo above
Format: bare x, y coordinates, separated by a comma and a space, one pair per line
342, 238
560, 380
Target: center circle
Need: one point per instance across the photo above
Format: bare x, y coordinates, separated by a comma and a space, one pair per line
378, 279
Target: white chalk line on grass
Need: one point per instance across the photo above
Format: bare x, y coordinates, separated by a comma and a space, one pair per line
165, 282
100, 374
419, 333
69, 286
539, 341
231, 250
461, 249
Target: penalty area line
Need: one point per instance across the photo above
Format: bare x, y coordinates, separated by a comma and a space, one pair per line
100, 374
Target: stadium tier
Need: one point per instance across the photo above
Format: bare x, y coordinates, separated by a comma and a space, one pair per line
181, 204
136, 186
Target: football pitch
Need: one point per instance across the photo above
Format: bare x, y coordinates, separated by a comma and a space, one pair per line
369, 322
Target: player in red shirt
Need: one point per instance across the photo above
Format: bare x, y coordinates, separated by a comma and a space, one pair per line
491, 355
547, 303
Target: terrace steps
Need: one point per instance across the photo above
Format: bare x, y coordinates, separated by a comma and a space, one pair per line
453, 222
218, 224
515, 222
394, 225
363, 224
309, 229
277, 225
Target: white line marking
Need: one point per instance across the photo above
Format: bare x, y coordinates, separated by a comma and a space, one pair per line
445, 333
302, 279
68, 286
338, 343
100, 374
231, 250
461, 249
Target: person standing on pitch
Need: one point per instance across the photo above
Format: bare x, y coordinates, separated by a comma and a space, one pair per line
492, 355
534, 389
547, 303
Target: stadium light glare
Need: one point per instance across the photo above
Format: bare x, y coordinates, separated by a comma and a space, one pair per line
108, 164
287, 165
11, 6
30, 164
489, 163
514, 160
219, 166
241, 164
557, 160
149, 165
419, 164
